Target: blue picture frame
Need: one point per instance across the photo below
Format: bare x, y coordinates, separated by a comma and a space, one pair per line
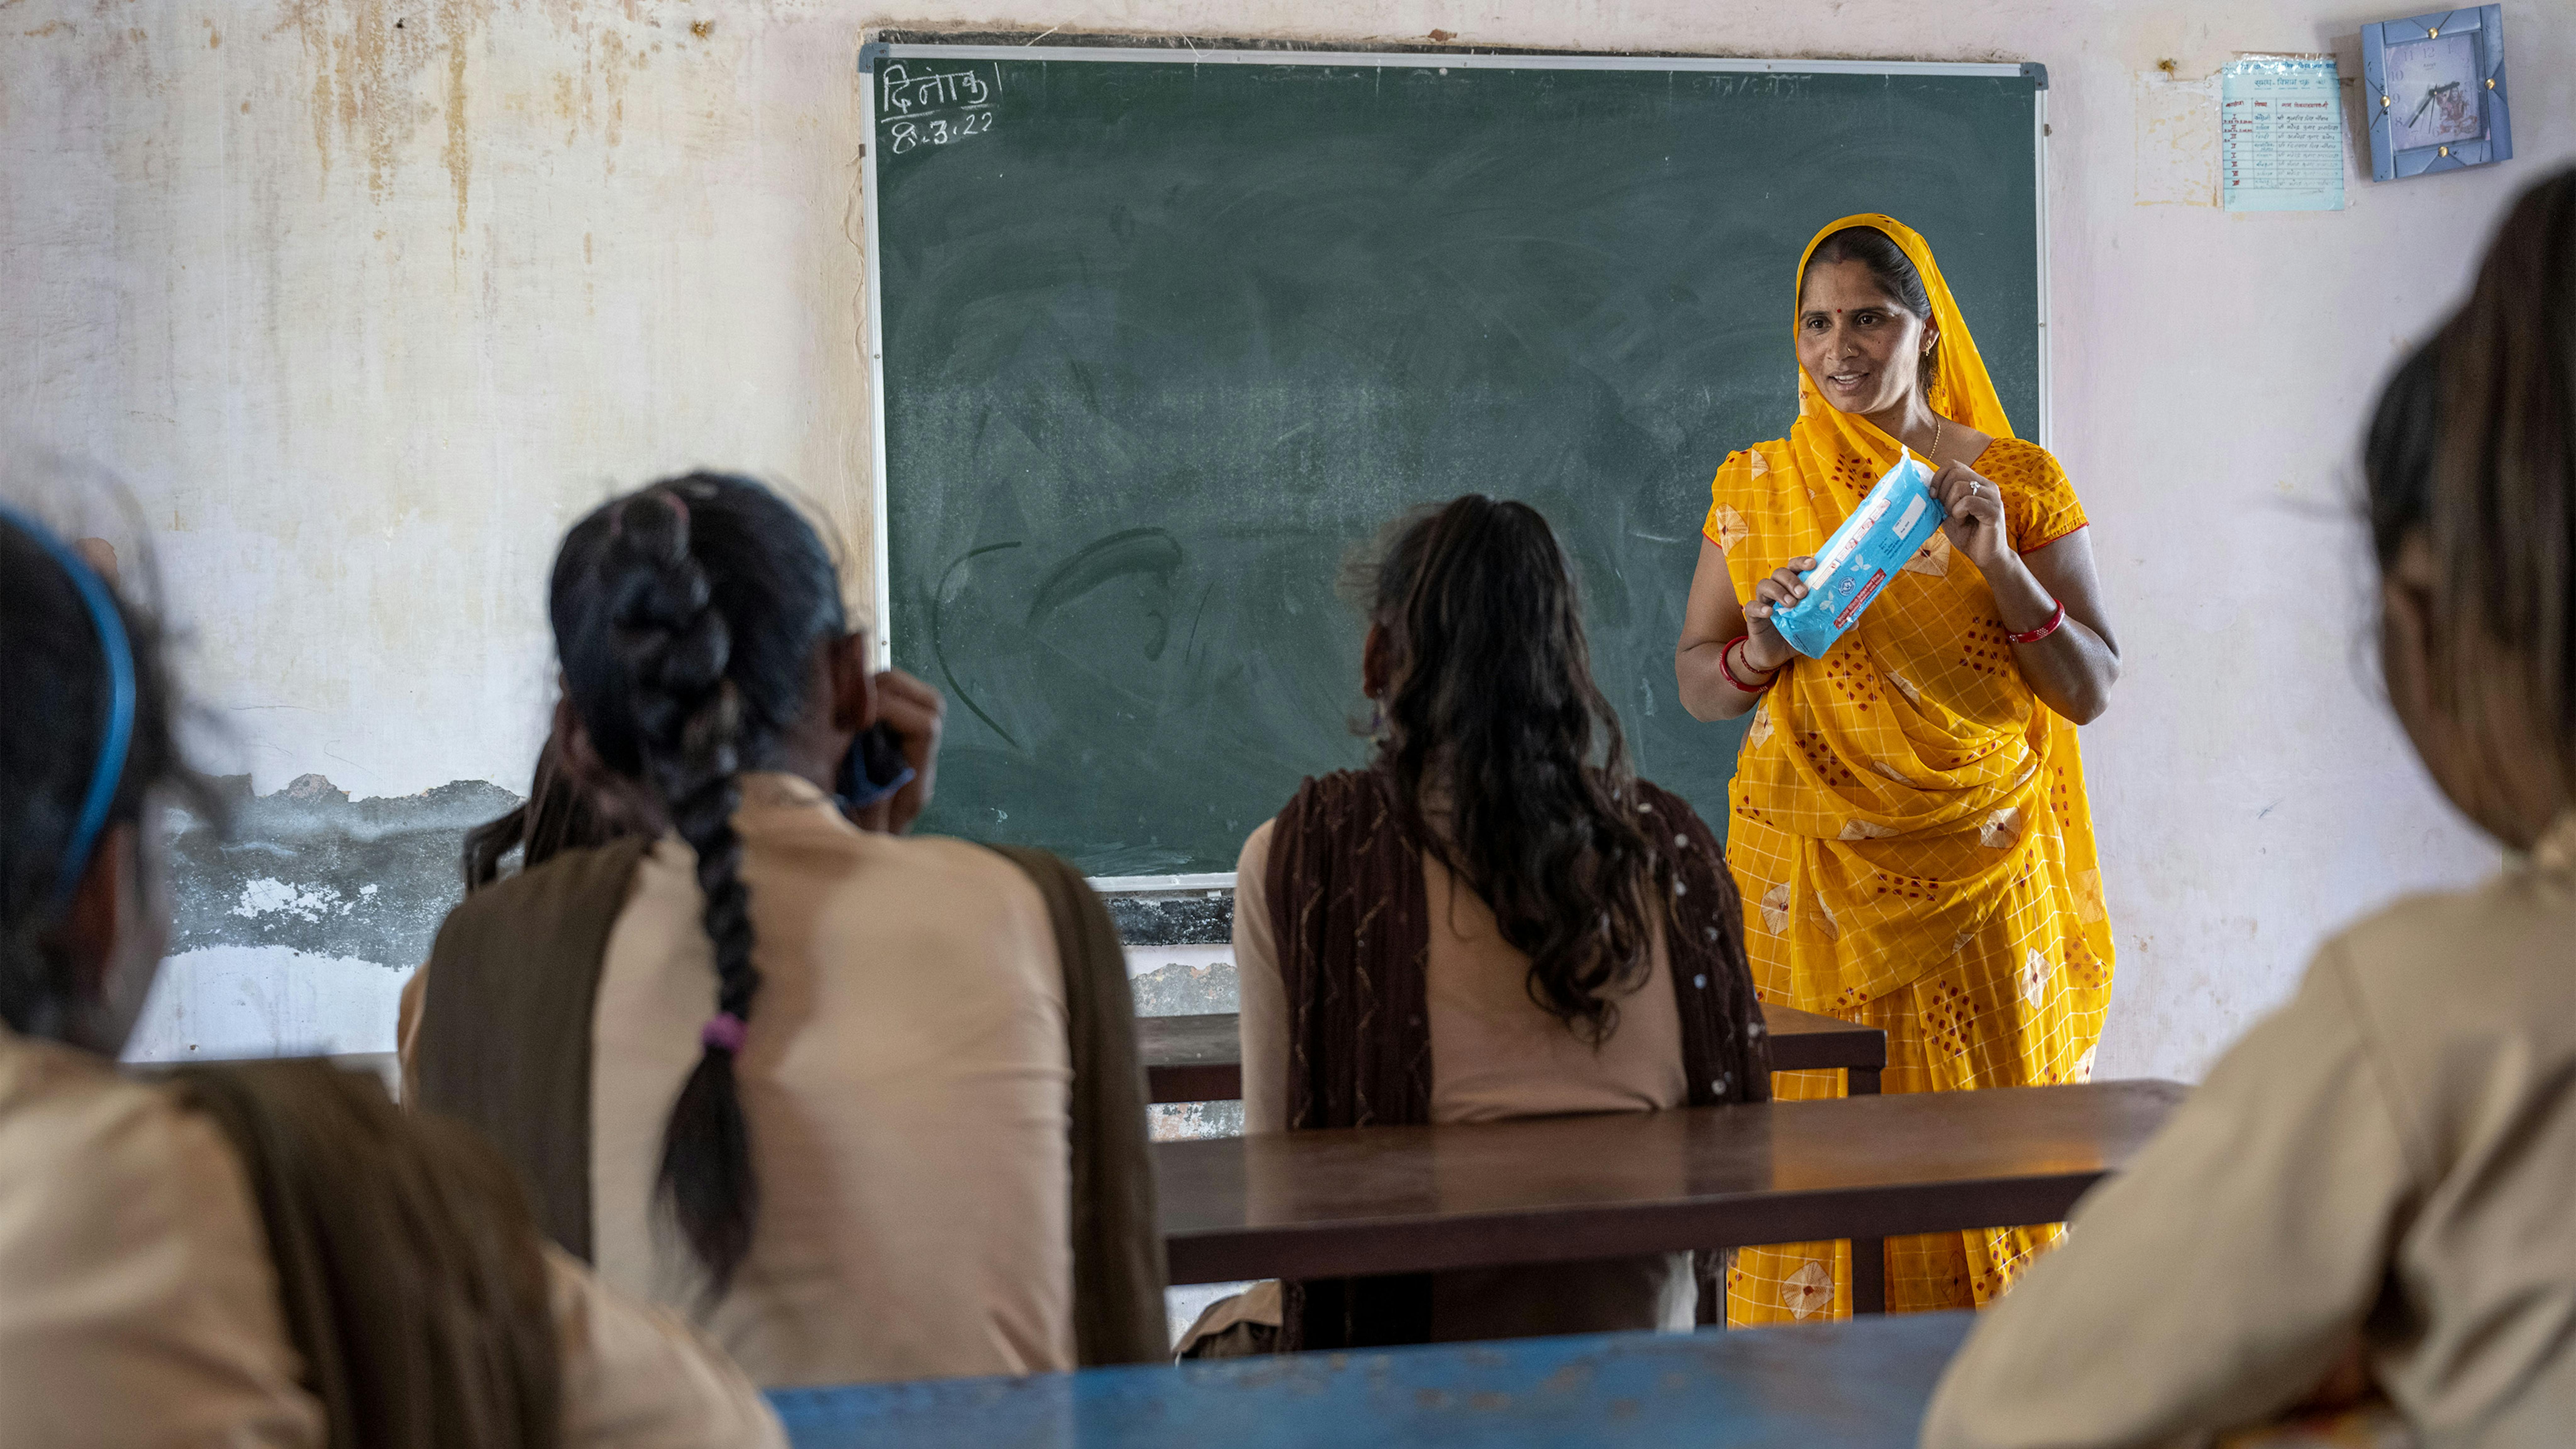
2435, 88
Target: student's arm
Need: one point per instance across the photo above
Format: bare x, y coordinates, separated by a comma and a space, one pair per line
636, 1377
2221, 1278
1261, 995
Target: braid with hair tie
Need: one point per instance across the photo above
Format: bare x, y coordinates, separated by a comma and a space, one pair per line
688, 729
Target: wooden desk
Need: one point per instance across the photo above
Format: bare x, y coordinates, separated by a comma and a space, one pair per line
1862, 1385
1200, 1058
1414, 1199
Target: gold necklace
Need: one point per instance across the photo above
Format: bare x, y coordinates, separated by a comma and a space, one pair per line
1933, 453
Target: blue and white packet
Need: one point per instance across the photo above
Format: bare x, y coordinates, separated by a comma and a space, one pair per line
1892, 522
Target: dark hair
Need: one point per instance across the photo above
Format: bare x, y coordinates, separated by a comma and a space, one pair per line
58, 694
1894, 272
1492, 718
685, 617
2474, 447
2398, 457
558, 815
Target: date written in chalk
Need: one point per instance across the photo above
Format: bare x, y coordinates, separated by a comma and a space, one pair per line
903, 136
934, 109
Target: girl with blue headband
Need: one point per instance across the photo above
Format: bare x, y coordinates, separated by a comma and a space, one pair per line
265, 1254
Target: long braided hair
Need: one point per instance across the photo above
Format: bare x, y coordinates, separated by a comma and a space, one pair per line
686, 615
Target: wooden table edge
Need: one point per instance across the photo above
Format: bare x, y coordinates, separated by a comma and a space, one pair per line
1358, 1247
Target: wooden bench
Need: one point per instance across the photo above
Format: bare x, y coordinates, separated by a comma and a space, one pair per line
1416, 1199
1200, 1058
1857, 1385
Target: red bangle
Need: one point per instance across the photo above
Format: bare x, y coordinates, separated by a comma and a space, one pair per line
1726, 663
2056, 617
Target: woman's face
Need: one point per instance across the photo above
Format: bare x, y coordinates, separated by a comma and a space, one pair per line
1861, 349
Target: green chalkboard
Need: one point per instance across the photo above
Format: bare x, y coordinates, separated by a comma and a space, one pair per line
1161, 342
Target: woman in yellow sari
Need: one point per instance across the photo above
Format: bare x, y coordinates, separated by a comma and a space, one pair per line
1908, 821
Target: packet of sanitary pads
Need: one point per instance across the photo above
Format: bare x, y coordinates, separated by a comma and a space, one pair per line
1892, 522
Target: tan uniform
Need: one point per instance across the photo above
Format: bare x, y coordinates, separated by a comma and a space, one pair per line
2392, 1155
138, 1306
1494, 1055
905, 1077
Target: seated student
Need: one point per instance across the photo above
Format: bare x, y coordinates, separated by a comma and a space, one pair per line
1494, 920
262, 1255
867, 1105
2377, 1186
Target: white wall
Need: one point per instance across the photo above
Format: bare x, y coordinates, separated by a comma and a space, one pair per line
369, 298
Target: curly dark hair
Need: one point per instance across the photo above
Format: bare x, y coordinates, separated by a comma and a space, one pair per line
1493, 722
685, 617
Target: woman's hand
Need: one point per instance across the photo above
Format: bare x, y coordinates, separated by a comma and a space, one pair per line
1764, 649
1976, 525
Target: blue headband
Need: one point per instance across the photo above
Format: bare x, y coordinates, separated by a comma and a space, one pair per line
119, 654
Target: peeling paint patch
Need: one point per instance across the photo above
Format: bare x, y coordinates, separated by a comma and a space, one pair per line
1193, 1121
1194, 918
1183, 988
309, 870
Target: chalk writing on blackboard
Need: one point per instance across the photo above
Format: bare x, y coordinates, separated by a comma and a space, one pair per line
935, 109
907, 94
903, 136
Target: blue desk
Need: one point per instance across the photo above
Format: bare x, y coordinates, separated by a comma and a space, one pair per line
1860, 1384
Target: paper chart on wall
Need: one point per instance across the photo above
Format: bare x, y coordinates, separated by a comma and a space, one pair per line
2280, 135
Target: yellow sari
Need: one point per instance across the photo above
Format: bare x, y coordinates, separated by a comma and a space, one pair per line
1908, 821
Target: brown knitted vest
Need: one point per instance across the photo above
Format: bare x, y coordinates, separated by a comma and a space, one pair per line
1353, 930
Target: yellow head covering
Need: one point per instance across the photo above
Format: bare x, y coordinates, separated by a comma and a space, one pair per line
1959, 390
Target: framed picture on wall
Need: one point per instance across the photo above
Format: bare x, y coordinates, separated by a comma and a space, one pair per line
2436, 93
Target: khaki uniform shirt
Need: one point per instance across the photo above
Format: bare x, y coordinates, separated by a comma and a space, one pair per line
1494, 1056
905, 1078
138, 1306
2392, 1155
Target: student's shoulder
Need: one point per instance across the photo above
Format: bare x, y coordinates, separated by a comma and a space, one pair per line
957, 869
141, 1304
102, 1161
60, 1103
2470, 975
2471, 941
